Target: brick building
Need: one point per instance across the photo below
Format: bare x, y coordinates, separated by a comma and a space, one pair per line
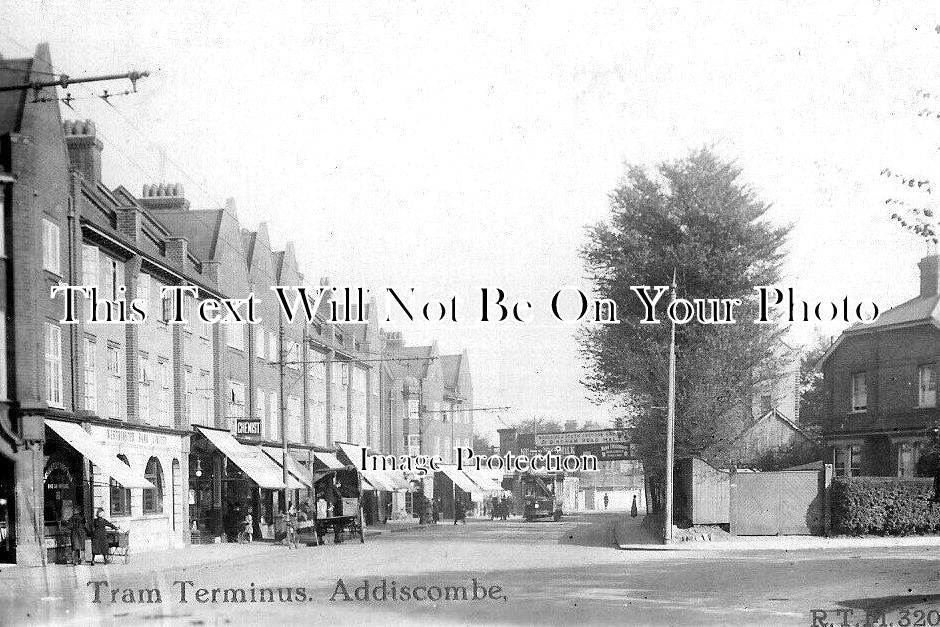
428, 398
141, 419
880, 381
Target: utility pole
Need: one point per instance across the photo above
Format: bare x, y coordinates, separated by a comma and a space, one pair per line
670, 418
283, 416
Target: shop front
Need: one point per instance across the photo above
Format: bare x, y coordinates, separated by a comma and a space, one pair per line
228, 481
452, 486
378, 485
133, 475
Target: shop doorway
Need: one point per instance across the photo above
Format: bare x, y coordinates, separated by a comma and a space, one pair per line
7, 519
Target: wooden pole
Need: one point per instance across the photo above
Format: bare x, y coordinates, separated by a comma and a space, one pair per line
670, 420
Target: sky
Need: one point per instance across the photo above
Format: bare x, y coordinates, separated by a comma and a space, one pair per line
452, 146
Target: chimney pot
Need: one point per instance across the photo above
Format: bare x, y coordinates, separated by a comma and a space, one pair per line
929, 275
84, 148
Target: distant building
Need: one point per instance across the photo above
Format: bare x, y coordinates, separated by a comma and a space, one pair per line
770, 433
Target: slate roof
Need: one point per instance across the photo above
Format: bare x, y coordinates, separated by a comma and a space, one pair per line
201, 228
917, 311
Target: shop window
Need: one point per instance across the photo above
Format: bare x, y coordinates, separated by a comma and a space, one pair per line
859, 392
153, 497
120, 496
927, 386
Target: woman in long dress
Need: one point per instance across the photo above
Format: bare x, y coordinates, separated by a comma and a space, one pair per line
99, 535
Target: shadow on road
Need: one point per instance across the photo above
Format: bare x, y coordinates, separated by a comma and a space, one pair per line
591, 533
878, 605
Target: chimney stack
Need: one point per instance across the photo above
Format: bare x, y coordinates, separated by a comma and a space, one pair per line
84, 148
929, 275
393, 339
164, 197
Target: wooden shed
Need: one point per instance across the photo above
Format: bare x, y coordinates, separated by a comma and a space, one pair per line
701, 493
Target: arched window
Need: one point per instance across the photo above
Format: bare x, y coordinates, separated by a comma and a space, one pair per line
120, 496
153, 497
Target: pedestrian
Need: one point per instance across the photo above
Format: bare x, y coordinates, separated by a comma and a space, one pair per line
78, 534
249, 527
99, 535
460, 512
633, 511
435, 511
291, 526
606, 500
494, 508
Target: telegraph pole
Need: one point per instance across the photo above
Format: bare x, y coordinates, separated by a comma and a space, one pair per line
670, 418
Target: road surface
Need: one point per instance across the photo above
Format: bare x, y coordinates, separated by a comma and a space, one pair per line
542, 573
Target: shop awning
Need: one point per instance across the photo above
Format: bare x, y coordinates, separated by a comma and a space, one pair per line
298, 477
486, 482
250, 459
398, 479
462, 480
329, 460
377, 478
98, 454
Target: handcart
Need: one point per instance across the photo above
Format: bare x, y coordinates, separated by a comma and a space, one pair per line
340, 509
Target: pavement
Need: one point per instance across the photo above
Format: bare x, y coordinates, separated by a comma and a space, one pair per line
514, 572
631, 535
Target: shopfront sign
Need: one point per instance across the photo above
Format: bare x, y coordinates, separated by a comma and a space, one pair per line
604, 444
248, 428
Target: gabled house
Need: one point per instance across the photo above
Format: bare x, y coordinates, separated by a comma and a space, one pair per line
881, 385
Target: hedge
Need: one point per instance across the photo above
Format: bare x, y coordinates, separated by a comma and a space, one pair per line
884, 506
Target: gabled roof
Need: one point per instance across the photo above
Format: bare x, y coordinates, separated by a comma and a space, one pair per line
772, 414
450, 366
918, 311
201, 228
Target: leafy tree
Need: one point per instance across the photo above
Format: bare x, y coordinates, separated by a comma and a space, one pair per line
695, 216
538, 424
812, 392
481, 444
